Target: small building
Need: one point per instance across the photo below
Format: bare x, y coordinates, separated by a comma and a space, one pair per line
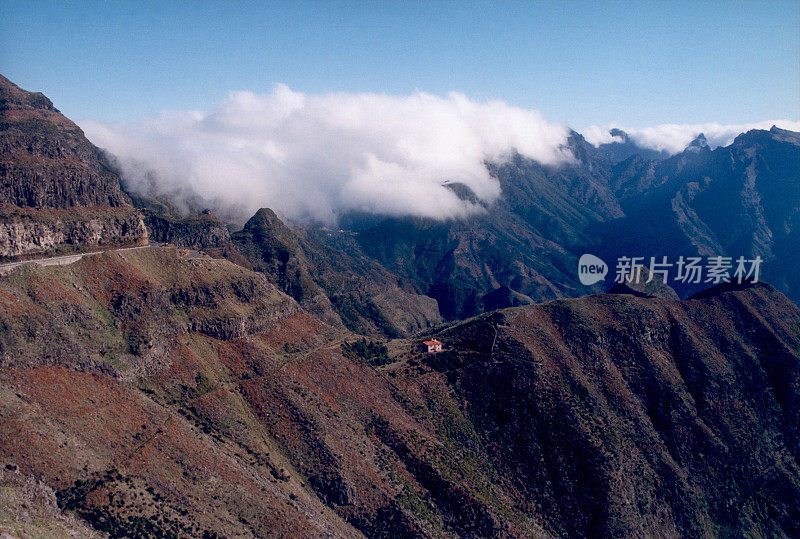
432, 346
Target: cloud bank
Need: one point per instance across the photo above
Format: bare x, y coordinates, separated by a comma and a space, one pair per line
318, 156
674, 138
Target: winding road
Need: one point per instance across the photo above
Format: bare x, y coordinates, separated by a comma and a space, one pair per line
7, 268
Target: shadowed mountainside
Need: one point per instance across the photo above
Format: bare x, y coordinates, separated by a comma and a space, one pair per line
738, 200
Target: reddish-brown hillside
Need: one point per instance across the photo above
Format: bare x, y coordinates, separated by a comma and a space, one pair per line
155, 394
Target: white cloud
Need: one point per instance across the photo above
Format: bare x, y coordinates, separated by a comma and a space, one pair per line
675, 137
596, 135
316, 156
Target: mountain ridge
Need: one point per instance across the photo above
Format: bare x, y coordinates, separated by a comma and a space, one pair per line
610, 413
166, 392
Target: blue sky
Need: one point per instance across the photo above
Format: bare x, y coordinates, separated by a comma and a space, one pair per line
579, 63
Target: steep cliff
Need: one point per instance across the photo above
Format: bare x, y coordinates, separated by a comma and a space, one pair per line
47, 169
27, 231
45, 160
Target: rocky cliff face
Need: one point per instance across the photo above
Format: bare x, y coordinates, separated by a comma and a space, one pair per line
47, 169
45, 160
25, 231
197, 232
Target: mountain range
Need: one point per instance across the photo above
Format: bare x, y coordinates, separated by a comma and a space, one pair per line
268, 379
736, 201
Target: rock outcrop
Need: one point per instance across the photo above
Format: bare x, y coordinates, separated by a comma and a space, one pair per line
26, 231
197, 232
640, 282
45, 160
57, 191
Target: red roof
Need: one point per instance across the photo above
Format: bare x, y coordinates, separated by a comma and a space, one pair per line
431, 343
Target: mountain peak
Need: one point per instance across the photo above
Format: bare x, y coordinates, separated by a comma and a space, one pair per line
622, 146
614, 132
784, 135
640, 282
14, 97
698, 144
47, 162
775, 133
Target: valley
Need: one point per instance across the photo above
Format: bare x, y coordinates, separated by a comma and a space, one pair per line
185, 375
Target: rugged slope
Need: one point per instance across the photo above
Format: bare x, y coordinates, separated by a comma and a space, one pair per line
155, 395
105, 366
45, 160
619, 415
47, 165
739, 200
529, 240
30, 231
160, 395
328, 273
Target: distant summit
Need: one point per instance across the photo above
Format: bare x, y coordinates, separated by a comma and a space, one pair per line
698, 144
624, 147
784, 135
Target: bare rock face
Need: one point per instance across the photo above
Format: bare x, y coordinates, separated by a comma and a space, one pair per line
26, 231
45, 160
57, 191
197, 232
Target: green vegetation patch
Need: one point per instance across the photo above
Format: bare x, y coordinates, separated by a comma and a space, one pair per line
355, 311
374, 353
131, 509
